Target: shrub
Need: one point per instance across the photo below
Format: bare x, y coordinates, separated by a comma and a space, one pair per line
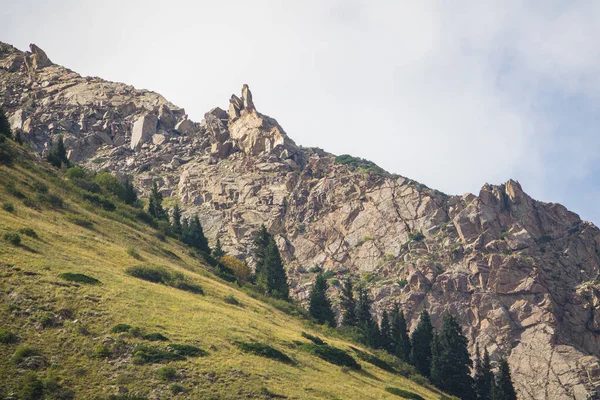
416, 237
133, 253
79, 278
264, 350
359, 163
372, 359
31, 387
134, 331
331, 354
187, 350
101, 352
126, 397
100, 201
230, 299
12, 238
314, 339
403, 393
419, 379
7, 337
28, 232
240, 269
48, 320
24, 352
84, 222
155, 337
152, 355
120, 328
166, 373
76, 172
8, 207
402, 283
161, 274
50, 199
177, 388
10, 188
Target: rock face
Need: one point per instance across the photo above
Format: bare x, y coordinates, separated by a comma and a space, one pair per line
522, 276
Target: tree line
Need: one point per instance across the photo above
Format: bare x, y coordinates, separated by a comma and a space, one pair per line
440, 356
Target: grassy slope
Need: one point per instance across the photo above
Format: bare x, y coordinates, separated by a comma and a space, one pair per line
206, 321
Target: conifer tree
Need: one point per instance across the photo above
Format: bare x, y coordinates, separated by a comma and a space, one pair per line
320, 305
155, 207
57, 155
4, 125
451, 363
385, 330
192, 234
399, 335
271, 276
218, 251
364, 319
422, 336
436, 368
348, 304
503, 388
129, 193
176, 217
484, 377
259, 246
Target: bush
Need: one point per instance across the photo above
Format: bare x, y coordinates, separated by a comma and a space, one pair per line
101, 352
134, 331
28, 232
50, 199
331, 354
230, 299
84, 222
48, 320
371, 359
416, 237
40, 187
314, 339
240, 269
359, 163
120, 328
12, 238
187, 350
264, 350
161, 274
100, 201
133, 253
8, 207
155, 337
79, 278
152, 355
403, 393
419, 380
177, 388
7, 337
31, 387
24, 352
166, 373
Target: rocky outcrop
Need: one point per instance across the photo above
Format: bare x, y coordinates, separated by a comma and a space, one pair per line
521, 275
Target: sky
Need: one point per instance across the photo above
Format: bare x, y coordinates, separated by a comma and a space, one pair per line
451, 94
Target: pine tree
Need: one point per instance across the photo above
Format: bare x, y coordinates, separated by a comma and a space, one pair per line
259, 246
348, 304
484, 377
4, 125
364, 319
271, 276
176, 217
503, 388
451, 363
386, 333
155, 207
422, 336
436, 368
320, 305
218, 251
57, 155
399, 335
129, 193
192, 234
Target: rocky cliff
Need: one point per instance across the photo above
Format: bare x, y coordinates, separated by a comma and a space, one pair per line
521, 275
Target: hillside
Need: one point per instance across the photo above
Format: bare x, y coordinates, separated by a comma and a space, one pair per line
521, 275
67, 322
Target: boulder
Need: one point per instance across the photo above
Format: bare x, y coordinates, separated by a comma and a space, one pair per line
142, 131
37, 59
185, 127
166, 118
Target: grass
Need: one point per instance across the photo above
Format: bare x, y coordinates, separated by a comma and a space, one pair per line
204, 322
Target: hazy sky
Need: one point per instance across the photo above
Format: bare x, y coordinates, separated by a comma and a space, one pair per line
453, 94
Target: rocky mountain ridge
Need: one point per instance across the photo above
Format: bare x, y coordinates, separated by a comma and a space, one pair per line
521, 275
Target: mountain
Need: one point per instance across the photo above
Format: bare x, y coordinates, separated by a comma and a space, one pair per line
519, 274
75, 318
